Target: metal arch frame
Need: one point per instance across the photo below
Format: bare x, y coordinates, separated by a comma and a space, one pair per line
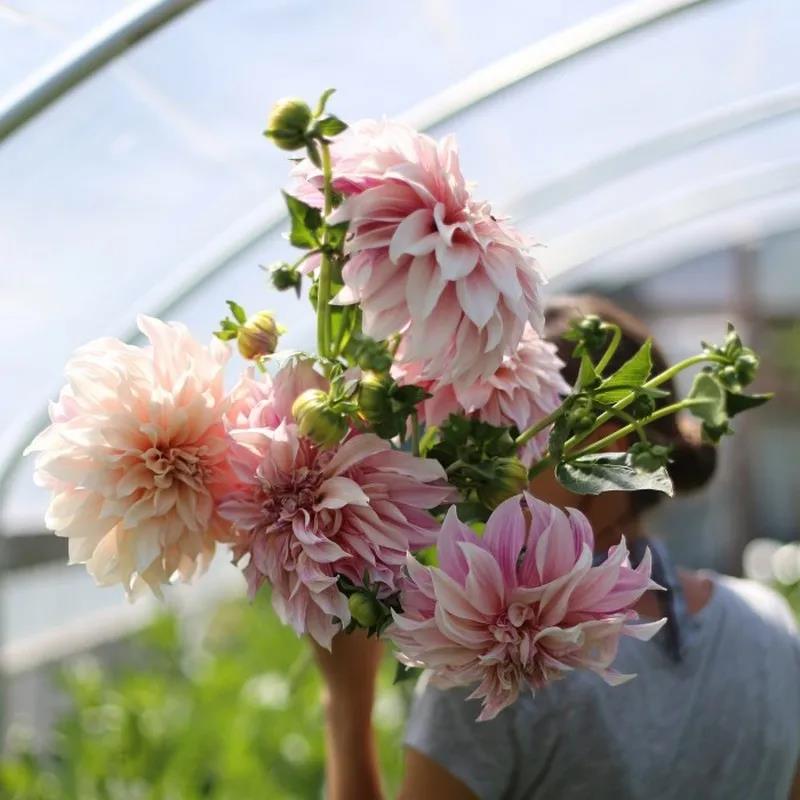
85, 57
717, 124
644, 222
113, 38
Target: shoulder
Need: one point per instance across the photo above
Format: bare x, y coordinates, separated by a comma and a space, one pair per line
482, 755
756, 602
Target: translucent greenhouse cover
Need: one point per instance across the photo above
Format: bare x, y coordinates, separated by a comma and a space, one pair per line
676, 139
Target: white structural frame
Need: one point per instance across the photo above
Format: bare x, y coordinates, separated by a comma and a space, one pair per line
84, 58
124, 30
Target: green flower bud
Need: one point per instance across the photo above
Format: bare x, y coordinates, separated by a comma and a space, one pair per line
374, 403
288, 123
258, 336
746, 367
365, 609
317, 420
642, 406
510, 478
581, 416
649, 457
285, 276
728, 378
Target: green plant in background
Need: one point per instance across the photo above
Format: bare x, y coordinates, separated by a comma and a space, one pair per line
233, 716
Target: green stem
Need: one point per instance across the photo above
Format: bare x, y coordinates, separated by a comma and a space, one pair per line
415, 434
612, 347
547, 460
665, 376
324, 288
529, 433
601, 444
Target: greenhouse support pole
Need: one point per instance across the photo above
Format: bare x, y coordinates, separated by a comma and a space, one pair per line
85, 57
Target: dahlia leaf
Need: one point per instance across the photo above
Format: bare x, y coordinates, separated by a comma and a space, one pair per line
610, 472
634, 372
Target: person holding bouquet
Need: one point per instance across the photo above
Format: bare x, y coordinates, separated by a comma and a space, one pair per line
437, 473
717, 716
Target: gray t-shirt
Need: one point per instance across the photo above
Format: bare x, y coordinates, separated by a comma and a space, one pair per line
723, 723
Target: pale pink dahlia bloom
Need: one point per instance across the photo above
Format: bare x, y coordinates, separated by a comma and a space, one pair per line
305, 515
424, 257
526, 387
135, 457
520, 606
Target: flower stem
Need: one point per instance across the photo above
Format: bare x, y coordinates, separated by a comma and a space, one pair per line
324, 288
666, 375
570, 444
529, 433
601, 444
612, 347
415, 434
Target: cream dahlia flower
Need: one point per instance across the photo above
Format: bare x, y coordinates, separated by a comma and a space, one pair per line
135, 457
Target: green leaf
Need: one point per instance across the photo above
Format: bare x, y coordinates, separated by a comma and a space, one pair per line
610, 472
322, 102
710, 397
305, 220
634, 372
587, 376
403, 673
331, 126
336, 234
736, 403
312, 151
238, 312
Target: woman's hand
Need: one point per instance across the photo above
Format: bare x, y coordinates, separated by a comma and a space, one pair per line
349, 671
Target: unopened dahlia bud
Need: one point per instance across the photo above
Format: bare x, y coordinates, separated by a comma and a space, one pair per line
288, 123
374, 403
649, 457
746, 367
258, 336
365, 609
284, 276
510, 478
317, 420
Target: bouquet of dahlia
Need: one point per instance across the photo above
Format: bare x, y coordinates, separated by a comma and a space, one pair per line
381, 482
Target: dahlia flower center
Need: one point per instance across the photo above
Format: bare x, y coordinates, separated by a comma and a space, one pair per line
514, 624
170, 464
294, 492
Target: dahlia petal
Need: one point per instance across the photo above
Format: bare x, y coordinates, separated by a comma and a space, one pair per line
413, 235
337, 492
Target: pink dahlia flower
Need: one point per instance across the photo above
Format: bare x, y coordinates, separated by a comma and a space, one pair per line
526, 387
135, 457
425, 258
305, 515
520, 606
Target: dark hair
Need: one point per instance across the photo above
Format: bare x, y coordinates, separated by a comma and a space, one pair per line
692, 461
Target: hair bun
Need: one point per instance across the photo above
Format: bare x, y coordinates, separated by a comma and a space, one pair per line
692, 460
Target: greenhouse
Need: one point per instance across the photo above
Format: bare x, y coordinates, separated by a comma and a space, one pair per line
650, 146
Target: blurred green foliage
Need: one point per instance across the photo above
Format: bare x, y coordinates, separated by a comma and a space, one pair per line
230, 713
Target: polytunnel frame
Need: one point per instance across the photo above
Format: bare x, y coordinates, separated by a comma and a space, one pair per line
114, 37
463, 96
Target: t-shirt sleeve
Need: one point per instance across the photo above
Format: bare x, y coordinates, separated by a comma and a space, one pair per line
482, 755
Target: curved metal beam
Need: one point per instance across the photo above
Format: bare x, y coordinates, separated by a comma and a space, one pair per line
717, 124
574, 250
481, 85
553, 50
85, 57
